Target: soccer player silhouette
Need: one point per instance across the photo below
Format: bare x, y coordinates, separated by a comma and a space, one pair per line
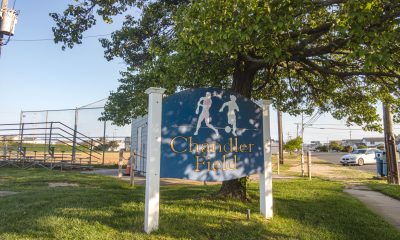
232, 106
206, 103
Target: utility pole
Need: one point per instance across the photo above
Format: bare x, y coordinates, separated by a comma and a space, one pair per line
4, 6
350, 134
390, 145
8, 21
280, 137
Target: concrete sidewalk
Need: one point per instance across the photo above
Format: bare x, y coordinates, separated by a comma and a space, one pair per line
385, 206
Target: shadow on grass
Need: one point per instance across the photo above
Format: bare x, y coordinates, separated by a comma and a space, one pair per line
111, 210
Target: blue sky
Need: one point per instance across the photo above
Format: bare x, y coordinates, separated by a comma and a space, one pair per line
39, 75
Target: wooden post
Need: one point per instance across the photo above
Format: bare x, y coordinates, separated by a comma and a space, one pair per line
152, 195
309, 164
266, 200
278, 162
120, 162
302, 149
132, 173
280, 137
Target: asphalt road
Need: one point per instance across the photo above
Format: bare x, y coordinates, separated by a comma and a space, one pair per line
335, 158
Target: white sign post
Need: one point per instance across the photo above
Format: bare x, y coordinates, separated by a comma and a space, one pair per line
266, 176
152, 198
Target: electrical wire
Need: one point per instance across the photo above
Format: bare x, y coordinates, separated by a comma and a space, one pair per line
344, 129
52, 39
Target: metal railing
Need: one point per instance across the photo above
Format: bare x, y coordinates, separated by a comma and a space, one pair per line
47, 144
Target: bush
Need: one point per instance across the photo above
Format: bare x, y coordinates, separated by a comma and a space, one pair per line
362, 146
293, 145
347, 149
381, 147
335, 146
323, 148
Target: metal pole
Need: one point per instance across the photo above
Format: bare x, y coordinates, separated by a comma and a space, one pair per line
302, 149
309, 164
104, 140
91, 150
45, 134
74, 137
20, 141
51, 131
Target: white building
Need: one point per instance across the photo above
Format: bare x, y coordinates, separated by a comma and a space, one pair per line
373, 141
354, 143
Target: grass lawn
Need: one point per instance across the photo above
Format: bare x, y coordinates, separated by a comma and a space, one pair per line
106, 208
390, 190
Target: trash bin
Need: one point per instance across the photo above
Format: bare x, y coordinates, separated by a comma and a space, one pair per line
379, 163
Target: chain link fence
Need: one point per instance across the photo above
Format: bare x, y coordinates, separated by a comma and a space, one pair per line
85, 120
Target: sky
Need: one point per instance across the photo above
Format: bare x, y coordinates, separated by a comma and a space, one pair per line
36, 75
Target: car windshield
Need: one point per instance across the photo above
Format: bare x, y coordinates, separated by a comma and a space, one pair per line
360, 151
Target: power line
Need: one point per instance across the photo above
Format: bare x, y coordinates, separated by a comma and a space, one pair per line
345, 129
52, 39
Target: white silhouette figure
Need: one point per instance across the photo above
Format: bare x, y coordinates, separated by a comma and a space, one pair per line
205, 113
232, 106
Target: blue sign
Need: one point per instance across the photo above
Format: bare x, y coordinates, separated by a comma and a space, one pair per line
209, 134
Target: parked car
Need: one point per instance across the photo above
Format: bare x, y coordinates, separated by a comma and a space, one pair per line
359, 157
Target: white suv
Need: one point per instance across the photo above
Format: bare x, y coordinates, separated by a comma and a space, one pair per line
360, 157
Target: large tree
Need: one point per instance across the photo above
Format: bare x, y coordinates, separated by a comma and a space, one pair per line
332, 56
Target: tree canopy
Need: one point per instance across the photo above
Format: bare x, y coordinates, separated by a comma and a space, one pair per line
333, 56
335, 146
293, 144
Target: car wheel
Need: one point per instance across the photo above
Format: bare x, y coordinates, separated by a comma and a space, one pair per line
360, 162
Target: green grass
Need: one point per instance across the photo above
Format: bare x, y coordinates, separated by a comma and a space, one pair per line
388, 189
290, 160
106, 208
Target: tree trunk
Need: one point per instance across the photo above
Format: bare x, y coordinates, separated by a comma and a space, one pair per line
390, 145
243, 77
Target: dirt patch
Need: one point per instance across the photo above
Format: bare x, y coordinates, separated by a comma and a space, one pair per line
63, 184
330, 171
6, 193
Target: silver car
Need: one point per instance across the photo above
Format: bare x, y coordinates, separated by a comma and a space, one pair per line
359, 157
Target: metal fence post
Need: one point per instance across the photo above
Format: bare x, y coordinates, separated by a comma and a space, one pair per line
74, 136
309, 164
51, 132
20, 141
91, 150
104, 140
